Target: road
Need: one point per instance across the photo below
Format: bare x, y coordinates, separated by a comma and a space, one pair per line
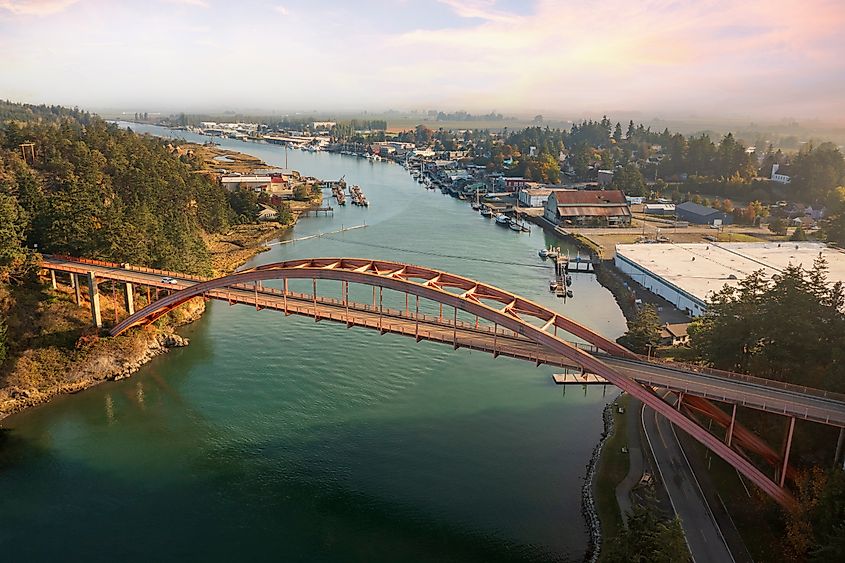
704, 538
769, 396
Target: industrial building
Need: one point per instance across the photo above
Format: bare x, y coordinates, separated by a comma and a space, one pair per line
587, 207
687, 274
701, 215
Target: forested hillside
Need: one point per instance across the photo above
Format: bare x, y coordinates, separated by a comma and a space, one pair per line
91, 189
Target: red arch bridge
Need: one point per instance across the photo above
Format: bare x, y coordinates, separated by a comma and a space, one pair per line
482, 317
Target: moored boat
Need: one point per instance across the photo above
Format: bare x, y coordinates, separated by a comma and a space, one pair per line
502, 219
515, 226
486, 211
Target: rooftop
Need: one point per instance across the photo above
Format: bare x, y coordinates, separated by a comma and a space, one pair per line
702, 268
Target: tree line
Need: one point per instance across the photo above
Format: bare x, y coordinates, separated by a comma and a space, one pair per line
92, 189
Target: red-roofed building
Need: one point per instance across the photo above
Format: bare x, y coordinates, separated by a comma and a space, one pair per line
588, 207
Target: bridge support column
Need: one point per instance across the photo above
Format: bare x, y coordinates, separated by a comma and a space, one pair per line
730, 434
76, 289
53, 279
94, 296
129, 298
839, 443
72, 279
786, 451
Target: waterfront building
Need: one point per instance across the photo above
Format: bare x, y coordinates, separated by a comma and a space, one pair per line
537, 197
663, 209
588, 207
687, 274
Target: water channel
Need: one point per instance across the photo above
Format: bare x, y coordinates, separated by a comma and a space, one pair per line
278, 438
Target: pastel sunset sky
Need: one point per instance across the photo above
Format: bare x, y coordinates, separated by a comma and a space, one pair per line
751, 58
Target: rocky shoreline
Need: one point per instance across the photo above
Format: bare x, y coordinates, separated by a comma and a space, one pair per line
588, 504
104, 360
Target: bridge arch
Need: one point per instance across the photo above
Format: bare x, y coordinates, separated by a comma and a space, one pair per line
474, 298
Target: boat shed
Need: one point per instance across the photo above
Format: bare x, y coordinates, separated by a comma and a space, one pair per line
588, 207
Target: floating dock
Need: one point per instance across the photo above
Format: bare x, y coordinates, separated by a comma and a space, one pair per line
578, 379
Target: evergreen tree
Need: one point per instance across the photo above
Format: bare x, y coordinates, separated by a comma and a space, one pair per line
643, 334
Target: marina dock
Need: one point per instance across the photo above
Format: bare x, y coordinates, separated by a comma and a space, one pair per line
578, 379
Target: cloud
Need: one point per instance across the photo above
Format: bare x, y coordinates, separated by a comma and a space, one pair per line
35, 7
281, 9
477, 9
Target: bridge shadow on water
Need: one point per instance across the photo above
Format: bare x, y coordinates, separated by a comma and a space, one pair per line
301, 499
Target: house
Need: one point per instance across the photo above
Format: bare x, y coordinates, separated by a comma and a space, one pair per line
674, 334
536, 197
781, 174
663, 209
700, 214
605, 177
258, 183
267, 213
514, 183
587, 207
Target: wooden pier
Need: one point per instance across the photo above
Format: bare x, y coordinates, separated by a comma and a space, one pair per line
317, 210
578, 379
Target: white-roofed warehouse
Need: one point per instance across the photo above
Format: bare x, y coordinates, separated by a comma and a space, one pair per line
687, 274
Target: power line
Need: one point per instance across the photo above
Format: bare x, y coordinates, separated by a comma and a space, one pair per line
436, 254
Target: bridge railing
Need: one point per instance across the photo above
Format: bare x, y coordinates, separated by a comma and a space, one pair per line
129, 267
770, 383
410, 315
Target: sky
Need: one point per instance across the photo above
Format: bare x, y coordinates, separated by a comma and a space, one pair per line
756, 59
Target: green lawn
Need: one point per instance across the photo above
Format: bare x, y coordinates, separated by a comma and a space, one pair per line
612, 469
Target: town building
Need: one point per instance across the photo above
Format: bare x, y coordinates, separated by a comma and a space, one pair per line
514, 183
662, 209
780, 174
587, 207
605, 177
537, 196
686, 275
272, 185
701, 214
674, 334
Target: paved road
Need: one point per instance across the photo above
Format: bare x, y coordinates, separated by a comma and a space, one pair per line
635, 457
704, 537
733, 388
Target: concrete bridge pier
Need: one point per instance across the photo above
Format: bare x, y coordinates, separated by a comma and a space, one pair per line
129, 298
53, 279
94, 295
74, 279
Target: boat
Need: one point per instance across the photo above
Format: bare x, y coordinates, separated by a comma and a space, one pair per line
502, 219
515, 226
568, 281
552, 285
543, 253
486, 211
569, 293
475, 206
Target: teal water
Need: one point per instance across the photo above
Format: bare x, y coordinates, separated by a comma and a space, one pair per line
278, 438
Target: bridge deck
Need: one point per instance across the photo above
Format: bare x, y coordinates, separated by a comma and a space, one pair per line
769, 396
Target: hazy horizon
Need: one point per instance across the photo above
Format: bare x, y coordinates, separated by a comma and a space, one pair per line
764, 61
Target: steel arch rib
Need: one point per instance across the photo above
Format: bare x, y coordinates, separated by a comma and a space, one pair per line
379, 273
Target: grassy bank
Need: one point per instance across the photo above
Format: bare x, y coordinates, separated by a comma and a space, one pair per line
612, 469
